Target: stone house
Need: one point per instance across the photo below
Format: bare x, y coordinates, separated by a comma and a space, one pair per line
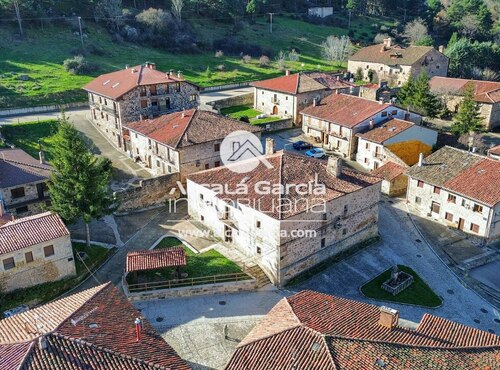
96, 329
34, 250
486, 95
287, 95
185, 142
313, 330
288, 216
335, 121
374, 145
23, 182
394, 179
458, 189
395, 64
127, 95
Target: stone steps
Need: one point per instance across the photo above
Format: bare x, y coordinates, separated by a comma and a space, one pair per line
259, 275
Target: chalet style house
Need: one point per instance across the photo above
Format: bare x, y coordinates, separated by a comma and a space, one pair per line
486, 95
96, 329
136, 92
287, 95
339, 210
458, 189
23, 183
335, 121
311, 330
34, 250
396, 64
185, 142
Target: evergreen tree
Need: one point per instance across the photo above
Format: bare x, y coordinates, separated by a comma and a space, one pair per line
468, 118
417, 96
79, 185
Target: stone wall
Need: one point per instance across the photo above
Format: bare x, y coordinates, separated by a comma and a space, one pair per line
41, 109
148, 193
42, 269
218, 288
30, 200
246, 99
395, 187
282, 124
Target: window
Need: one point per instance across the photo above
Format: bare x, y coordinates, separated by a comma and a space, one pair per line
448, 216
366, 160
154, 103
437, 190
474, 228
17, 193
217, 147
192, 97
28, 256
323, 242
207, 166
197, 163
324, 216
435, 207
452, 198
158, 163
375, 165
367, 146
262, 92
48, 250
217, 163
144, 104
344, 231
367, 66
9, 263
259, 251
394, 112
152, 89
418, 200
478, 208
201, 196
464, 203
420, 184
21, 210
346, 209
383, 114
202, 218
257, 224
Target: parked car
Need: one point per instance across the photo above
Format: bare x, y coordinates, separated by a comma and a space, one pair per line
16, 310
260, 116
301, 145
316, 153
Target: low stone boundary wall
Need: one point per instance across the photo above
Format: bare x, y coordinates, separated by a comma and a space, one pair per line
42, 109
148, 192
225, 87
282, 124
218, 288
245, 99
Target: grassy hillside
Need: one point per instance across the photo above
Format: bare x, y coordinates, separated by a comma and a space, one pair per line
31, 71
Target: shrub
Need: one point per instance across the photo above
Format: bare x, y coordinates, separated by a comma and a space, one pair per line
264, 61
78, 65
247, 59
221, 67
379, 38
293, 56
219, 54
245, 119
359, 74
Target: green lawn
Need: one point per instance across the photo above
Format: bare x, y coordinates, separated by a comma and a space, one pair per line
418, 293
41, 53
43, 293
239, 111
26, 136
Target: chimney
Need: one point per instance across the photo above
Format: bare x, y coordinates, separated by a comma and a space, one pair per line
179, 74
150, 65
287, 72
315, 102
388, 42
42, 343
389, 317
183, 114
270, 146
127, 66
441, 49
338, 78
334, 166
381, 101
138, 328
372, 124
41, 156
420, 159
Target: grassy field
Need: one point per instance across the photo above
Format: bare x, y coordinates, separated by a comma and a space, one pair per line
32, 74
26, 136
43, 293
418, 293
239, 111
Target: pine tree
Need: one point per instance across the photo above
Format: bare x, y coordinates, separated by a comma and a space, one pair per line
79, 185
416, 95
468, 118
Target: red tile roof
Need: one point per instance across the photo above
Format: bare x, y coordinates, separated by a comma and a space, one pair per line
292, 84
328, 332
191, 127
17, 168
286, 170
345, 110
115, 84
155, 259
12, 355
389, 171
484, 91
97, 327
495, 150
27, 231
388, 130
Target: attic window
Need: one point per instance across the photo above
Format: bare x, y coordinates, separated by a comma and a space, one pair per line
106, 82
115, 85
315, 347
380, 363
93, 325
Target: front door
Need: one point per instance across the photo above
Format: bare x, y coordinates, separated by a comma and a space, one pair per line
461, 224
275, 110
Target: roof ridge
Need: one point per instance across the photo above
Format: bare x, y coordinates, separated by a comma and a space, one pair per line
187, 125
139, 75
297, 85
299, 325
29, 218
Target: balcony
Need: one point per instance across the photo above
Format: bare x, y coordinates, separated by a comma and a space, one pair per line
378, 155
227, 219
109, 110
275, 101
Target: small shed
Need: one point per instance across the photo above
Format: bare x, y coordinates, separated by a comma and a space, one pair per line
156, 259
394, 180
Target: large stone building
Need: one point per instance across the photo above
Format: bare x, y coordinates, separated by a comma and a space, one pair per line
311, 330
288, 214
287, 95
185, 142
34, 250
486, 95
95, 329
396, 64
142, 91
458, 189
23, 182
335, 120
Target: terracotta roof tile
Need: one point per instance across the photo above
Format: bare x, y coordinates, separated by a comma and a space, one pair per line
389, 171
27, 231
388, 130
390, 56
12, 355
495, 150
155, 259
484, 91
292, 84
191, 127
332, 81
17, 168
345, 110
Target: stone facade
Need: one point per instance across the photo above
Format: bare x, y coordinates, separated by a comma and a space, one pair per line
26, 199
342, 140
489, 112
41, 269
395, 187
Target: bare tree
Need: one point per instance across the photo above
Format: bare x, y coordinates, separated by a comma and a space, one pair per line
469, 26
416, 31
177, 6
380, 37
111, 11
16, 5
281, 61
337, 49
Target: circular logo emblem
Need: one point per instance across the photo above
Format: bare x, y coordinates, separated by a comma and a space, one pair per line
240, 150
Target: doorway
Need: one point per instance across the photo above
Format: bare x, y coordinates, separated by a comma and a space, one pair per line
275, 110
461, 224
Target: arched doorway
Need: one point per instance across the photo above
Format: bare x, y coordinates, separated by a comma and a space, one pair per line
275, 110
